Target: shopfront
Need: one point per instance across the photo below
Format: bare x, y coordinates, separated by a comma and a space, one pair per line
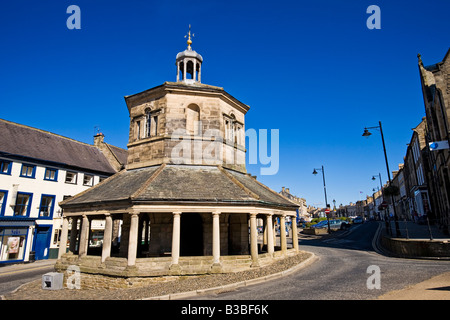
15, 236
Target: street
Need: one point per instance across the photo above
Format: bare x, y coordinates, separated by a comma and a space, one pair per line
341, 271
13, 277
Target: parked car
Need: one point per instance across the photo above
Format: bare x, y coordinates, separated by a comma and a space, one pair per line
334, 224
320, 224
358, 220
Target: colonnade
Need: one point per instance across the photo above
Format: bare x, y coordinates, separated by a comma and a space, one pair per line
176, 227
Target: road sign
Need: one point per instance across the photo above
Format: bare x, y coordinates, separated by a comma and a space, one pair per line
327, 211
438, 145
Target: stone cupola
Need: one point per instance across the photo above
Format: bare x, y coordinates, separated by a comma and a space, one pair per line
189, 63
186, 122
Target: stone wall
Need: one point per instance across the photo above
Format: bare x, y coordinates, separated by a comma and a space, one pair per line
413, 248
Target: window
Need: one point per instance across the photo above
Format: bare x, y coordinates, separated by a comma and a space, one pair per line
51, 174
138, 130
23, 204
5, 167
193, 120
3, 197
28, 171
151, 123
46, 207
12, 243
71, 177
88, 180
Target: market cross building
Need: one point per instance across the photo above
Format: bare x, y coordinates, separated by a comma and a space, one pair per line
184, 204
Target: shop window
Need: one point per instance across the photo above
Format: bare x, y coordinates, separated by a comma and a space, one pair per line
28, 171
12, 244
46, 207
5, 167
51, 174
23, 204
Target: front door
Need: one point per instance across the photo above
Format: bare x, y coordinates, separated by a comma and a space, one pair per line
42, 242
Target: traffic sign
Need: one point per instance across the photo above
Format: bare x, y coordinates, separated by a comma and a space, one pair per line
438, 145
327, 211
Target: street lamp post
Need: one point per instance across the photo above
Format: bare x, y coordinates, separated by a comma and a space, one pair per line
367, 134
325, 192
388, 225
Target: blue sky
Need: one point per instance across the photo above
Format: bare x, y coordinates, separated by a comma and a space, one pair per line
311, 69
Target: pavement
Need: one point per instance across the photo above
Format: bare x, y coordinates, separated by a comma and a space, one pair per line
436, 288
411, 230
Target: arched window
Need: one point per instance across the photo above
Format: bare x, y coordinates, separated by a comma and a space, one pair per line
193, 119
151, 123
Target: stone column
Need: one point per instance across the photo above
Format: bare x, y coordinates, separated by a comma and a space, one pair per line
254, 240
283, 240
194, 73
84, 237
178, 71
294, 233
216, 239
133, 239
176, 240
269, 227
107, 238
73, 234
63, 240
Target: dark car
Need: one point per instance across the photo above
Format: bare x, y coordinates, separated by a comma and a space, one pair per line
358, 220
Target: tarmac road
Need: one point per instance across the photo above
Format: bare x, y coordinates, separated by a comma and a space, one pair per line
11, 277
341, 273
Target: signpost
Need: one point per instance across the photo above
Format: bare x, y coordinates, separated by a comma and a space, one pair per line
438, 145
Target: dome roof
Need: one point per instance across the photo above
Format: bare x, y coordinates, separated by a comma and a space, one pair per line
189, 54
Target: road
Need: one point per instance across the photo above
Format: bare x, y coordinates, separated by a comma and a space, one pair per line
341, 272
12, 278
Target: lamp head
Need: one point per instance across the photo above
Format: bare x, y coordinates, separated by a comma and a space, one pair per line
366, 133
314, 172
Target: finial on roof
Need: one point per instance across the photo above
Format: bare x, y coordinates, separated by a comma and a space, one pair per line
189, 42
419, 56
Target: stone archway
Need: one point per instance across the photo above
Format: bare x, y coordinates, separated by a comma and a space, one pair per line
191, 234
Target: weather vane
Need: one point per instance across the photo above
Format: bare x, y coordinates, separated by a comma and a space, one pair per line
189, 42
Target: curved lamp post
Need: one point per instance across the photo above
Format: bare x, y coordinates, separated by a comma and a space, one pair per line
325, 192
367, 134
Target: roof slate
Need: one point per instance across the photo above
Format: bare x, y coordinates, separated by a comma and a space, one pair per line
181, 183
22, 141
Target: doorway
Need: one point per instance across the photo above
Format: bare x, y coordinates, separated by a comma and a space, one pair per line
191, 234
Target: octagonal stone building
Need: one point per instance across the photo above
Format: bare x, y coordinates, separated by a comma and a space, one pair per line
184, 204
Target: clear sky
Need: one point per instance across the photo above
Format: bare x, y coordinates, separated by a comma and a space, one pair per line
311, 69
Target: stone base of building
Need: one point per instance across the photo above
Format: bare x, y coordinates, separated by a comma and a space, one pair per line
115, 273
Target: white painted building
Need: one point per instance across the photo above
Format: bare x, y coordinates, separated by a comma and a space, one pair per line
39, 169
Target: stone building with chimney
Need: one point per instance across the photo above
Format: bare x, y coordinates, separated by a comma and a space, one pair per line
184, 204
